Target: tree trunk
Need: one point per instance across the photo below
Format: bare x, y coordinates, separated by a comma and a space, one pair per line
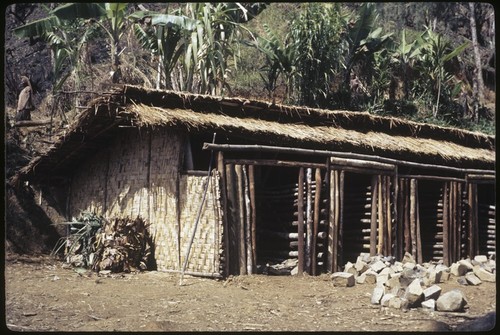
478, 82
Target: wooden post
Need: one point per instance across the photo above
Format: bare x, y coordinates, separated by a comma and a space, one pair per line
406, 213
248, 222
413, 216
417, 222
241, 219
341, 217
225, 210
373, 218
459, 223
251, 177
232, 219
446, 215
380, 215
300, 229
317, 201
388, 249
331, 223
309, 220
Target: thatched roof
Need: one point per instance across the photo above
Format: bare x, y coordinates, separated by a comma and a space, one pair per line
287, 125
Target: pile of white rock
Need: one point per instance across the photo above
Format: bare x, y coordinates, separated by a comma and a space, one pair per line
406, 284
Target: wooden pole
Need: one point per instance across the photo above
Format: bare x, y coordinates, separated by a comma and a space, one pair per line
388, 250
413, 216
372, 158
373, 217
248, 222
225, 210
251, 177
417, 222
300, 228
459, 223
309, 220
380, 216
331, 223
446, 258
341, 217
317, 201
241, 219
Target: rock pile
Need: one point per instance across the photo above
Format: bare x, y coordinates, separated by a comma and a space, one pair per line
407, 284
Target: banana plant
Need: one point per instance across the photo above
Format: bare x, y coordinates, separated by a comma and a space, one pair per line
167, 37
281, 60
363, 39
58, 31
436, 52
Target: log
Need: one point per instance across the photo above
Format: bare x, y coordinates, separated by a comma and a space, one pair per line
31, 123
340, 230
371, 158
380, 216
251, 177
241, 219
419, 239
388, 250
274, 162
248, 222
350, 162
309, 220
233, 220
446, 214
225, 210
317, 202
406, 214
301, 221
413, 215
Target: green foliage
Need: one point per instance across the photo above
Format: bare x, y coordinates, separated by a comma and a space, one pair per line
315, 37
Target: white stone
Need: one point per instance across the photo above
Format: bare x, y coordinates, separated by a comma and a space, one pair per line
452, 301
343, 279
409, 265
432, 292
377, 294
458, 269
361, 278
377, 266
386, 299
360, 266
382, 279
467, 264
429, 304
414, 293
434, 276
386, 271
481, 258
371, 277
397, 267
483, 274
472, 279
408, 258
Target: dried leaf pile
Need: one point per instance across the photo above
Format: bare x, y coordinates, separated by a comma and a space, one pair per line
122, 245
117, 245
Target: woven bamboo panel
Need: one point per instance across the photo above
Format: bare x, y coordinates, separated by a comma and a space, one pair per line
206, 248
87, 191
163, 193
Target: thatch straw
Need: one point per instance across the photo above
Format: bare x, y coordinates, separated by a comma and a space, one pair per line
301, 133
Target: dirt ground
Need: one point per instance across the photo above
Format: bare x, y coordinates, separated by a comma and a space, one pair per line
44, 294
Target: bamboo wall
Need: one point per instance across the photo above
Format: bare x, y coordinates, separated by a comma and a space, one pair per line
138, 174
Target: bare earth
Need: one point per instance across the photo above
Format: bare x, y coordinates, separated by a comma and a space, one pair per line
43, 294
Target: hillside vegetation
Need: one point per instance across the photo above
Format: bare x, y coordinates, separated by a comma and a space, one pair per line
430, 62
